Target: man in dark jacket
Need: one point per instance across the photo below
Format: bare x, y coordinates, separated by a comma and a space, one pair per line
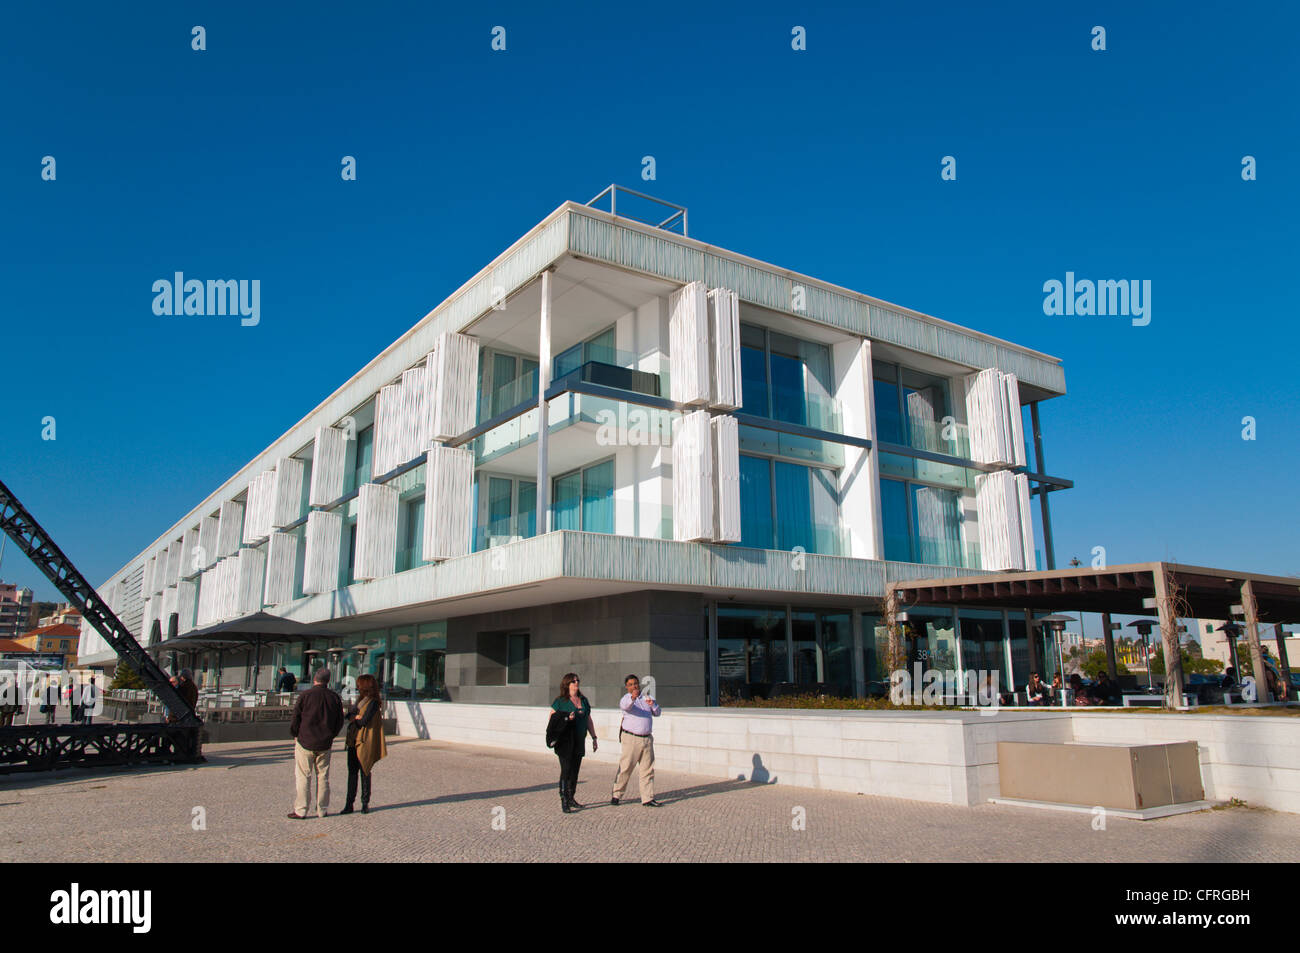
317, 718
285, 682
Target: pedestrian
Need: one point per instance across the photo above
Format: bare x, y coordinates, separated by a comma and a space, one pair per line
285, 682
567, 733
317, 718
50, 699
188, 691
89, 701
9, 699
365, 740
636, 736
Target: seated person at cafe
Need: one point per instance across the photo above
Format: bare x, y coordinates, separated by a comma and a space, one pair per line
1103, 691
1036, 693
1055, 694
1080, 693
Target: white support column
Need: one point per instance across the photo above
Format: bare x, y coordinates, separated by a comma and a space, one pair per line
1252, 640
543, 421
859, 479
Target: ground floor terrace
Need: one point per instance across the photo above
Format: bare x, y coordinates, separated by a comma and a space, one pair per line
698, 651
441, 801
709, 646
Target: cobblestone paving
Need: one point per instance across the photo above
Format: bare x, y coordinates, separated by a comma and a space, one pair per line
435, 801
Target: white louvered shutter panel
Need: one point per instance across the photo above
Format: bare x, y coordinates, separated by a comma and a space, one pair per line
376, 531
726, 468
724, 328
209, 527
689, 342
321, 561
329, 457
451, 383
288, 491
693, 479
230, 528
281, 564
449, 473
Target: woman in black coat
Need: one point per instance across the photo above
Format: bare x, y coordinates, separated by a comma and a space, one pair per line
566, 732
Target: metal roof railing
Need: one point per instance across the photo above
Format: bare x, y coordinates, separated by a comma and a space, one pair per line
668, 224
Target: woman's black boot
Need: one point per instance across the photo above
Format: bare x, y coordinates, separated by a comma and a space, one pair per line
564, 797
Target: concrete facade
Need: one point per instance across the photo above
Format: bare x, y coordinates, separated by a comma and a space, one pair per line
646, 633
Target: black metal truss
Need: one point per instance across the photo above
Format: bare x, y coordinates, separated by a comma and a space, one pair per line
46, 747
32, 539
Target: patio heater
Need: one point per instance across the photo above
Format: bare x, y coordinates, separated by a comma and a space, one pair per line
308, 657
1055, 624
1232, 632
1144, 627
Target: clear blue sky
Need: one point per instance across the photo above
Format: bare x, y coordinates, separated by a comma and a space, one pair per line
225, 163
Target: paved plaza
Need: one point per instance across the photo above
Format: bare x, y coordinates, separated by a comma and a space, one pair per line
436, 801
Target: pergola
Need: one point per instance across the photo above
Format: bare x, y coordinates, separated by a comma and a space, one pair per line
1170, 589
248, 632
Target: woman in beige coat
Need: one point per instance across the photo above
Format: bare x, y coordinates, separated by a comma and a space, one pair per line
365, 740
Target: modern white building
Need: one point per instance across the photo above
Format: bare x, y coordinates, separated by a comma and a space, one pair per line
736, 459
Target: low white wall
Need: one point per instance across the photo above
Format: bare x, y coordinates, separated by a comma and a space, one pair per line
946, 757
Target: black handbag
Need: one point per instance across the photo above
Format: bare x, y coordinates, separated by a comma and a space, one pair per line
556, 728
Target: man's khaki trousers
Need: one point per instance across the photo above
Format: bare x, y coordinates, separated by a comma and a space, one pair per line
305, 764
636, 751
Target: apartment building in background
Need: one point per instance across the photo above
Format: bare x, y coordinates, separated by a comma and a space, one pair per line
15, 604
619, 449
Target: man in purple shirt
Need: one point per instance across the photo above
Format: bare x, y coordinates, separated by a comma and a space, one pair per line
636, 734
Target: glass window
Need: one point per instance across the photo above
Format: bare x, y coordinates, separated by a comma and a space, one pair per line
504, 372
365, 448
567, 492
755, 502
401, 646
527, 517
499, 505
517, 658
431, 661
794, 508
893, 510
751, 651
584, 499
875, 655
598, 498
600, 348
753, 375
936, 526
809, 662
982, 646
412, 553
889, 421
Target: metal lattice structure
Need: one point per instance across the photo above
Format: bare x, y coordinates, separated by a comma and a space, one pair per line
44, 746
